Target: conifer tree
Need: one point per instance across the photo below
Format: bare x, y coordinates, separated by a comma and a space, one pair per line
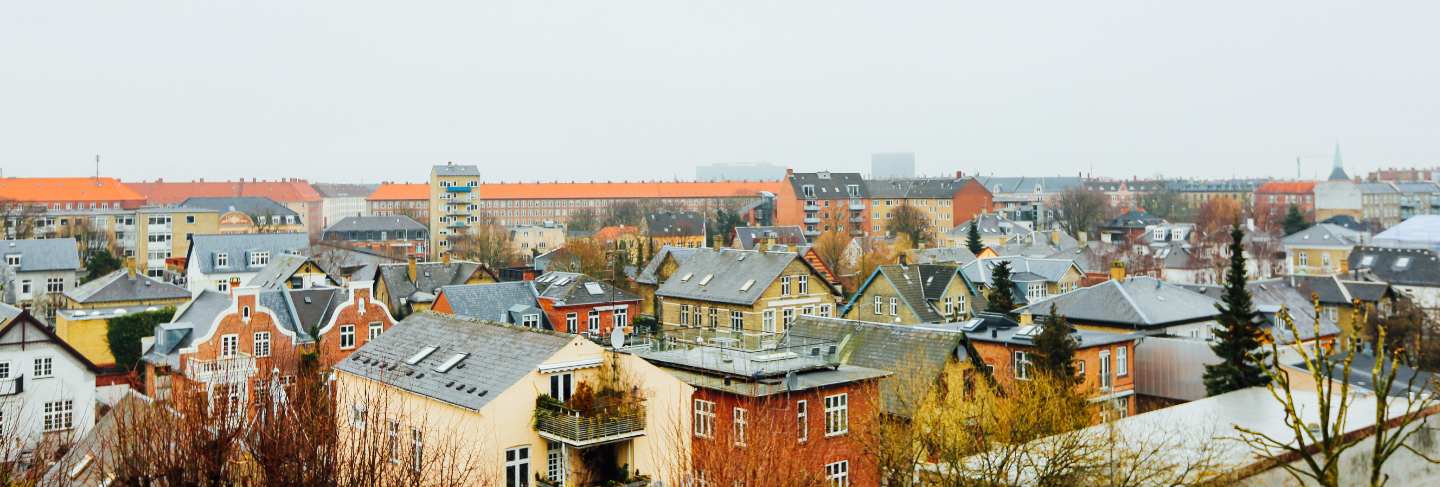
972, 241
1057, 347
1238, 340
1002, 289
1294, 221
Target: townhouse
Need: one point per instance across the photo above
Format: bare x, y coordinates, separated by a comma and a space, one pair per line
413, 286
84, 321
743, 291
338, 201
674, 228
47, 388
910, 295
529, 406
1034, 279
577, 303
295, 194
216, 261
37, 272
823, 201
1321, 250
250, 214
514, 302
399, 236
401, 199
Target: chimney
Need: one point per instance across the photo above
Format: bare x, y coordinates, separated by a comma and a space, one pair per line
1026, 318
1117, 270
1055, 236
234, 283
903, 259
130, 267
410, 267
718, 241
959, 174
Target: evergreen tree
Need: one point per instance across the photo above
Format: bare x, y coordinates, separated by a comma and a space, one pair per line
972, 240
1294, 221
1239, 337
1002, 289
1057, 347
100, 263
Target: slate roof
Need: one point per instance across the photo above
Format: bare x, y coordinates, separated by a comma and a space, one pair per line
429, 278
296, 310
1325, 234
649, 275
502, 302
1338, 174
915, 354
1134, 219
828, 185
192, 319
1269, 295
1417, 187
960, 255
249, 205
275, 275
1139, 302
1050, 270
1346, 221
998, 328
989, 225
121, 286
1025, 184
746, 237
500, 356
675, 224
1420, 266
727, 271
41, 255
573, 289
1419, 231
238, 246
376, 223
1377, 188
1337, 291
918, 188
457, 170
916, 285
1037, 243
337, 190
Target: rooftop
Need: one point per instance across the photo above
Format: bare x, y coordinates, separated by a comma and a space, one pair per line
159, 192
400, 192
99, 190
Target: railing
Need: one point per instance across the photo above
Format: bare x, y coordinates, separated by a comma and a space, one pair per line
229, 369
12, 386
600, 425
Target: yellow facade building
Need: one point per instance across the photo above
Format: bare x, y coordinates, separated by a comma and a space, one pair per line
84, 322
745, 291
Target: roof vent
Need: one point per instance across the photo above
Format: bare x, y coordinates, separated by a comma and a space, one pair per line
307, 299
472, 389
483, 393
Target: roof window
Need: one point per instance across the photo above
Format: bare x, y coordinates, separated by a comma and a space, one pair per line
687, 276
424, 352
594, 288
748, 284
450, 363
706, 280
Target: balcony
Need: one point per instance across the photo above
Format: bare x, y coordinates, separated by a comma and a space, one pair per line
457, 189
857, 205
228, 369
456, 224
812, 206
12, 386
812, 220
857, 219
599, 425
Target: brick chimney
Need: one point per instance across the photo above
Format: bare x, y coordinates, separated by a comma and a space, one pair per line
410, 267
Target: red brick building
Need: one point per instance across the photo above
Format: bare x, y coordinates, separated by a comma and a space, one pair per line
1104, 361
576, 303
1273, 201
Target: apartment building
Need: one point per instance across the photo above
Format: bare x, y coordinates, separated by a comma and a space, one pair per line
401, 199
454, 204
1196, 193
674, 228
1420, 198
1029, 199
295, 194
94, 193
1126, 193
339, 201
744, 291
1379, 205
1274, 199
397, 236
579, 304
148, 235
535, 203
823, 201
934, 198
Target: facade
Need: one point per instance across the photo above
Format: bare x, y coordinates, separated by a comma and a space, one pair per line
84, 322
1321, 250
534, 203
389, 235
38, 272
250, 214
994, 229
94, 193
338, 201
295, 194
47, 388
531, 240
743, 291
1346, 301
1274, 199
1129, 227
149, 235
579, 304
401, 199
453, 204
659, 269
910, 295
1418, 199
933, 197
1029, 199
413, 286
216, 261
1103, 361
1379, 205
1133, 304
821, 201
1126, 193
674, 228
1411, 272
1035, 279
1196, 193
460, 379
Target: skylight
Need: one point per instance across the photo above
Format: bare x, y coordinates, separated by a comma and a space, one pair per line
706, 280
1367, 260
450, 362
687, 276
1028, 331
1402, 262
593, 288
424, 352
747, 285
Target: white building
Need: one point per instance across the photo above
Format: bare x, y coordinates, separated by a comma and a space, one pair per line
216, 259
338, 201
37, 268
47, 389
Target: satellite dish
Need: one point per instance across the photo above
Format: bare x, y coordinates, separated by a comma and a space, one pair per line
617, 337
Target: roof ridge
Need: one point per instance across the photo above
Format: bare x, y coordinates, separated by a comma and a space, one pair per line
1133, 305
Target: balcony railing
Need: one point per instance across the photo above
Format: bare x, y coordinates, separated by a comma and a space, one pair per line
228, 369
12, 386
597, 426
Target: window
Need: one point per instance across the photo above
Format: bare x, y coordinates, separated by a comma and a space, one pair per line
572, 320
260, 259
59, 415
12, 260
555, 462
4, 370
737, 321
619, 318
788, 315
262, 344
837, 414
1105, 378
802, 419
375, 330
894, 306
222, 285
768, 321
392, 441
189, 218
1325, 260
825, 310
229, 345
714, 317
802, 284
785, 286
417, 449
55, 284
947, 306
1122, 362
696, 316
837, 474
1021, 363
531, 320
740, 423
25, 287
1080, 370
44, 367
1303, 258
245, 313
593, 320
704, 418
879, 305
222, 260
347, 337
684, 315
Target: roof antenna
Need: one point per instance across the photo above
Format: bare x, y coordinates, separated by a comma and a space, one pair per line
97, 170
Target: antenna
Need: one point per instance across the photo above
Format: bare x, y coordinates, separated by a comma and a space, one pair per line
97, 170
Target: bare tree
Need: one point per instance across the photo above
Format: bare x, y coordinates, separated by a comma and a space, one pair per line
487, 243
1081, 209
911, 222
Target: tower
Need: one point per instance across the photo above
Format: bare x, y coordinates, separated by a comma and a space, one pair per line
1338, 172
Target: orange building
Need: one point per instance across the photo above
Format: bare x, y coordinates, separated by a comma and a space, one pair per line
70, 193
296, 194
401, 199
1103, 361
1273, 201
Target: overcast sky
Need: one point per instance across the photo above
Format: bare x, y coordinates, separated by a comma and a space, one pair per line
531, 89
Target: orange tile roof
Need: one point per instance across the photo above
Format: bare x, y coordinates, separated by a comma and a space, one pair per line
282, 191
1287, 187
67, 189
400, 191
666, 189
612, 233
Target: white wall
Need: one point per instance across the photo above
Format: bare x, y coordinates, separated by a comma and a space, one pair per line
70, 380
1404, 468
337, 209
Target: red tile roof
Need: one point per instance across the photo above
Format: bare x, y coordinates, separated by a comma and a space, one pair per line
282, 191
400, 191
666, 189
68, 189
1288, 187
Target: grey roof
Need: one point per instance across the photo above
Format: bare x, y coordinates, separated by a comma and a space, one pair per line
494, 301
1221, 186
376, 223
334, 190
39, 255
429, 277
828, 185
98, 444
349, 262
1338, 174
1377, 188
8, 312
500, 356
275, 275
1418, 187
1037, 243
1051, 270
723, 272
913, 353
312, 307
916, 285
1419, 231
998, 328
1134, 219
1407, 380
191, 319
1024, 184
1346, 221
1269, 296
1337, 291
570, 289
249, 205
121, 286
937, 255
1139, 302
238, 246
919, 188
298, 311
1325, 234
1412, 267
1179, 256
675, 224
649, 275
989, 225
457, 170
746, 237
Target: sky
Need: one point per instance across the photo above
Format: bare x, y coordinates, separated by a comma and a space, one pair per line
359, 91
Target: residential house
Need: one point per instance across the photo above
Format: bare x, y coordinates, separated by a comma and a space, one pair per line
1346, 301
749, 238
295, 194
577, 303
340, 201
1321, 250
1035, 279
958, 255
413, 286
47, 388
531, 240
743, 291
1133, 304
912, 354
391, 235
910, 295
1274, 199
674, 228
624, 241
1035, 243
1270, 296
658, 270
821, 201
514, 302
448, 380
233, 345
292, 271
401, 199
37, 272
250, 214
84, 321
994, 229
1130, 227
214, 261
1414, 273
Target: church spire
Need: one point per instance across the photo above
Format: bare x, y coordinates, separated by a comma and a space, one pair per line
1338, 173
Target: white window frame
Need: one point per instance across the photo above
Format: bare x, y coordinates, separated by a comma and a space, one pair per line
787, 316
347, 337
741, 421
737, 320
1106, 380
592, 322
572, 322
619, 318
58, 415
704, 418
375, 329
802, 419
260, 258
557, 462
879, 306
417, 449
784, 285
802, 284
562, 386
261, 344
837, 474
1122, 361
1020, 361
530, 320
229, 345
768, 321
894, 306
684, 315
837, 414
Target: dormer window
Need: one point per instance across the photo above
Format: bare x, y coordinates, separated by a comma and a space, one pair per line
808, 191
222, 259
259, 259
12, 260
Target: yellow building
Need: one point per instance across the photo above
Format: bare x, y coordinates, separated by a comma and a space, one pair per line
411, 287
454, 198
84, 322
911, 295
674, 228
513, 404
932, 197
1321, 250
743, 290
1034, 279
148, 235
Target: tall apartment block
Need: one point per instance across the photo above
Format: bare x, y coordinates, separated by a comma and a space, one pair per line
454, 204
